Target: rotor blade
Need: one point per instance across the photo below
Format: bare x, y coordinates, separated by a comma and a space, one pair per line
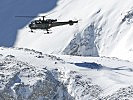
42, 16
27, 16
35, 16
30, 16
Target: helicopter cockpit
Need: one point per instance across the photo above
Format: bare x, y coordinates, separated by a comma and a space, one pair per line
36, 22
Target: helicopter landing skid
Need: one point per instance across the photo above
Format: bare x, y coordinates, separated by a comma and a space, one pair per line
48, 32
31, 31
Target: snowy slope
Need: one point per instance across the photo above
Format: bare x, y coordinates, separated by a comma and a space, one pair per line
105, 29
31, 75
48, 71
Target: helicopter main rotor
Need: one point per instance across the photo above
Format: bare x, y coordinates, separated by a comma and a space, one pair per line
43, 17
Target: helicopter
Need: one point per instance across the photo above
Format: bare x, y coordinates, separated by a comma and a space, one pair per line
46, 24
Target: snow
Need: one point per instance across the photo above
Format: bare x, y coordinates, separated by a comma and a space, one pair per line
22, 70
91, 60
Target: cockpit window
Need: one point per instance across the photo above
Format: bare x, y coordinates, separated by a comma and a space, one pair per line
33, 22
36, 22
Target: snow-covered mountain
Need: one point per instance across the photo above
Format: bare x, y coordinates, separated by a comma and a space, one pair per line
31, 75
104, 29
74, 62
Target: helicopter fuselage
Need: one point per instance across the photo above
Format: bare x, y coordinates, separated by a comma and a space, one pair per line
47, 24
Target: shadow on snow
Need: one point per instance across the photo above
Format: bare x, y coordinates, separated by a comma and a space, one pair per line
94, 65
11, 8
